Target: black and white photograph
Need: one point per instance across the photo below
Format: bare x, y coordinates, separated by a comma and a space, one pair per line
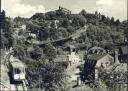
63, 45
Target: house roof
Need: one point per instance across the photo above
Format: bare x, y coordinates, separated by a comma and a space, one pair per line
17, 64
96, 48
95, 56
124, 50
60, 58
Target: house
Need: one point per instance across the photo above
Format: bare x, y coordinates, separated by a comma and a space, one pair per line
99, 58
32, 35
52, 23
72, 56
23, 27
56, 22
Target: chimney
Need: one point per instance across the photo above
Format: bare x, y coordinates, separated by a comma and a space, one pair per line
116, 60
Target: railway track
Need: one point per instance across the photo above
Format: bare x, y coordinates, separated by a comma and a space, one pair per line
17, 87
75, 35
21, 87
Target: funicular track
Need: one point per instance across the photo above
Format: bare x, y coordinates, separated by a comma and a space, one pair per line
22, 86
75, 35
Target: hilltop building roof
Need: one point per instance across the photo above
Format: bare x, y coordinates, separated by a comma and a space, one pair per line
66, 11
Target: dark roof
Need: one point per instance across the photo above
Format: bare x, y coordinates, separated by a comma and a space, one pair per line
124, 50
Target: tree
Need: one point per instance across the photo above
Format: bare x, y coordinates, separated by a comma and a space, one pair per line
45, 74
117, 23
112, 21
112, 79
79, 20
6, 31
4, 43
107, 21
96, 13
19, 51
51, 15
50, 52
65, 23
103, 18
33, 26
83, 12
36, 53
38, 16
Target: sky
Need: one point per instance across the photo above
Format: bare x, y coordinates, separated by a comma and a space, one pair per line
26, 8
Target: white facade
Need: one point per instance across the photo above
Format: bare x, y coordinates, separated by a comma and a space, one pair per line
33, 35
73, 57
23, 27
19, 76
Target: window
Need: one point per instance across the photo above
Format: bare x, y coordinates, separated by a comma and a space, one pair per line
17, 71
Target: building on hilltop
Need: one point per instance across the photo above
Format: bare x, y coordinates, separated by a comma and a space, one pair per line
61, 9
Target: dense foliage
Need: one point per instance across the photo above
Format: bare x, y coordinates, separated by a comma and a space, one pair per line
42, 71
6, 31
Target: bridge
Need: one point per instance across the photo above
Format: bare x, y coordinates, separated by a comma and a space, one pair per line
73, 36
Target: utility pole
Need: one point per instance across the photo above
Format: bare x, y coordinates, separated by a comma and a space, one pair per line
127, 43
0, 5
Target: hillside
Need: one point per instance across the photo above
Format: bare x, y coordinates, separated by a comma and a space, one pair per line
21, 33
